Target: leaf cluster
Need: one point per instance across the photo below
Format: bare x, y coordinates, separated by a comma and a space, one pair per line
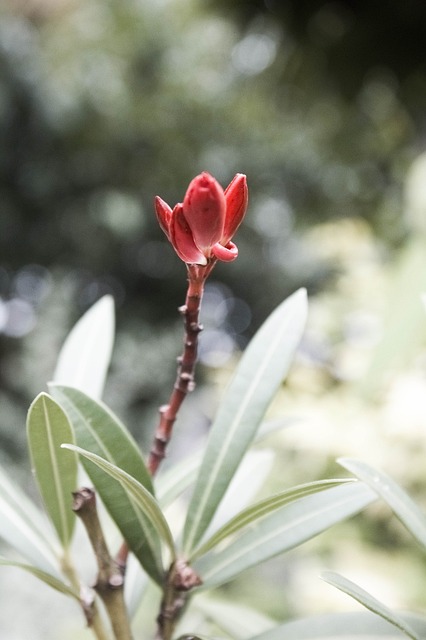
71, 425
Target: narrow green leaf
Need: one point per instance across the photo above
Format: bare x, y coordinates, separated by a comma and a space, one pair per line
173, 482
249, 478
261, 509
25, 528
86, 353
146, 512
55, 471
370, 602
259, 374
282, 530
98, 430
50, 580
341, 626
399, 501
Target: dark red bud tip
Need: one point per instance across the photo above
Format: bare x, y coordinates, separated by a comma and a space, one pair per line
226, 254
164, 214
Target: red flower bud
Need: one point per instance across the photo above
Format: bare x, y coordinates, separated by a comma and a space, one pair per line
182, 239
202, 227
204, 207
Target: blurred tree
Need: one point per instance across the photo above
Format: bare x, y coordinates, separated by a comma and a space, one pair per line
105, 104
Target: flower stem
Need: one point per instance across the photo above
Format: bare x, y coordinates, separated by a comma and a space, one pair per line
186, 364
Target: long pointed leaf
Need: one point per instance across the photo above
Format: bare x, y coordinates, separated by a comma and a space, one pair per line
259, 374
153, 525
399, 501
86, 353
341, 626
249, 516
55, 471
182, 474
25, 528
98, 430
45, 577
283, 529
370, 602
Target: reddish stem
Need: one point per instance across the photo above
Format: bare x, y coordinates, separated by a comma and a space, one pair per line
186, 364
197, 275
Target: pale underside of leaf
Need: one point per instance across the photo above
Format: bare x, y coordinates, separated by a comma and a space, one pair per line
44, 576
362, 625
370, 602
398, 500
86, 353
25, 528
282, 530
258, 376
259, 510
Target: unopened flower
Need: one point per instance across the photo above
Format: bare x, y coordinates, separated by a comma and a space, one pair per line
201, 228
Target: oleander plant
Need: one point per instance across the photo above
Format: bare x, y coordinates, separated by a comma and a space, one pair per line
162, 540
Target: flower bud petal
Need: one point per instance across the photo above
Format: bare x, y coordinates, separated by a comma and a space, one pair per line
204, 208
226, 254
182, 240
236, 196
164, 214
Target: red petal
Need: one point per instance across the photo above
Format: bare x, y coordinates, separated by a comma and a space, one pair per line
204, 208
236, 195
226, 254
164, 214
182, 240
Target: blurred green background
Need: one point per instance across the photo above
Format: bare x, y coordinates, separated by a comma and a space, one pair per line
106, 103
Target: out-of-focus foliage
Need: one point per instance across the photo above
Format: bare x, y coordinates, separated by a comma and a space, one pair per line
105, 104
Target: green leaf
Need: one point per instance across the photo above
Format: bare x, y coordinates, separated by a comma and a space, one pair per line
55, 471
254, 512
399, 501
25, 528
245, 485
86, 353
259, 374
371, 603
98, 430
338, 626
50, 580
281, 530
142, 522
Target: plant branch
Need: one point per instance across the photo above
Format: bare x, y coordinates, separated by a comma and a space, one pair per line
87, 600
180, 580
174, 598
110, 579
185, 383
